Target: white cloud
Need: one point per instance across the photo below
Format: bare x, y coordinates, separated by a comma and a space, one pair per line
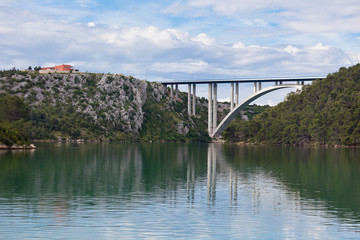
355, 57
257, 22
319, 47
43, 38
291, 49
186, 66
203, 38
239, 45
165, 50
270, 102
91, 24
227, 99
86, 3
304, 16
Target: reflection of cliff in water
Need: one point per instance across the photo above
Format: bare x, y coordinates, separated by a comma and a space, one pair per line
326, 176
102, 169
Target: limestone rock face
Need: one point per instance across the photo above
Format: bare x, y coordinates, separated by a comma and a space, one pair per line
103, 98
182, 129
110, 107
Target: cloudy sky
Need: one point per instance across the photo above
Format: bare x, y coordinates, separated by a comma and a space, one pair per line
184, 39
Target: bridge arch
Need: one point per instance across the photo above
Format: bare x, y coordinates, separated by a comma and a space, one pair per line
231, 115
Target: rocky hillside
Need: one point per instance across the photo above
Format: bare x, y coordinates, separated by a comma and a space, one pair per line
104, 107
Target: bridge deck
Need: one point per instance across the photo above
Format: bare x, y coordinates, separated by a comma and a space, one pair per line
207, 81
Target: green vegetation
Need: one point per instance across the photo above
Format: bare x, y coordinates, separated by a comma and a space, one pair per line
251, 111
175, 125
14, 124
324, 113
99, 107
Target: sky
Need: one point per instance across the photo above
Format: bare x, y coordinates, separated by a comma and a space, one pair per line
167, 40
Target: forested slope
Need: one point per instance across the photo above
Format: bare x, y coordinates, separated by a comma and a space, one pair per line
14, 121
324, 113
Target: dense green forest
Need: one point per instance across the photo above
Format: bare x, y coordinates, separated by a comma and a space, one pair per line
14, 121
327, 112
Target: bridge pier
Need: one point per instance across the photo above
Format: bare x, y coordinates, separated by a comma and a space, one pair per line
259, 86
172, 92
210, 108
255, 87
214, 107
194, 100
176, 92
237, 94
189, 99
193, 103
232, 97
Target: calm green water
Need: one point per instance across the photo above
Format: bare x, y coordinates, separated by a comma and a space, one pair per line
187, 191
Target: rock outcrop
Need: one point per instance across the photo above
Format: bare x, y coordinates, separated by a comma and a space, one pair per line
96, 106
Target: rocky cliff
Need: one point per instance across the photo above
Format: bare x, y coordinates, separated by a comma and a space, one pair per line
103, 106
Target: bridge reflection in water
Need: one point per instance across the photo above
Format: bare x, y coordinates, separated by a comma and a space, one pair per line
215, 157
278, 178
211, 173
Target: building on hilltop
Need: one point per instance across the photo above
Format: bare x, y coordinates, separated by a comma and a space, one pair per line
60, 68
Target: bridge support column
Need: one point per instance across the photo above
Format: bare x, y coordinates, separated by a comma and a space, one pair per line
189, 99
176, 92
210, 108
237, 94
302, 82
232, 97
171, 91
255, 87
298, 82
194, 99
259, 86
280, 82
215, 107
276, 83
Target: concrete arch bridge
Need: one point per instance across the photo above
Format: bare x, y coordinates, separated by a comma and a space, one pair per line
215, 130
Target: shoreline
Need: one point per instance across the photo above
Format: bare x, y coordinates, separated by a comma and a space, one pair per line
16, 147
217, 140
314, 145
